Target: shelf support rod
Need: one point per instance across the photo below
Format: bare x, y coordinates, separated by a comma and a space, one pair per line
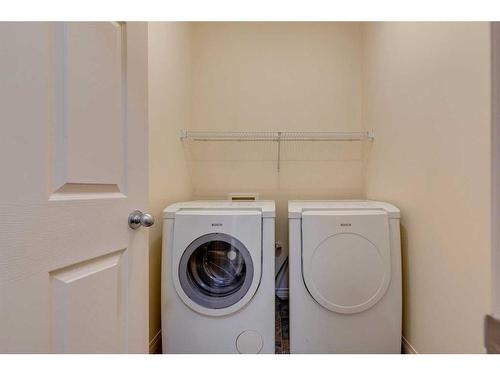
279, 151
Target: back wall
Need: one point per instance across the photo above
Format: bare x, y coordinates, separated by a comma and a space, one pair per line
299, 76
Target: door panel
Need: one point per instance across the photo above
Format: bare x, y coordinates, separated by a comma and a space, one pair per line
87, 318
90, 106
73, 275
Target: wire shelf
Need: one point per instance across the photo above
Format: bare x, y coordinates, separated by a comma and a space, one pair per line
278, 137
274, 136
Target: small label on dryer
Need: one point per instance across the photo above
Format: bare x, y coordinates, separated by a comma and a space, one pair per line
216, 224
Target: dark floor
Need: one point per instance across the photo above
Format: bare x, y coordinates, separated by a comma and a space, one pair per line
282, 327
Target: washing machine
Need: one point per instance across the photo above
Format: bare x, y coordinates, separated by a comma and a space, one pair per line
218, 277
345, 277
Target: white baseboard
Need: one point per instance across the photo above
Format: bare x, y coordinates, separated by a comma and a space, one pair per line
155, 344
407, 348
282, 293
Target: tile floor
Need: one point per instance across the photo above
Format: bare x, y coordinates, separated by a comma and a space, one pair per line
282, 327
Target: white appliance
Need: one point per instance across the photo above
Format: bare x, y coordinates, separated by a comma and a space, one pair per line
345, 277
218, 277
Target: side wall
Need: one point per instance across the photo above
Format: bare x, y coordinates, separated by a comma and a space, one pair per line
169, 112
427, 98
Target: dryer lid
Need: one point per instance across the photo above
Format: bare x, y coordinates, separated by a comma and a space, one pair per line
346, 258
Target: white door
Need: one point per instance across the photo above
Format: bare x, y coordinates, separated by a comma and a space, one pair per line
73, 162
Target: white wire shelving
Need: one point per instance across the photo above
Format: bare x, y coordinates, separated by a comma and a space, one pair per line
273, 136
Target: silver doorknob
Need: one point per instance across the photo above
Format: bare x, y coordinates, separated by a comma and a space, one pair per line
137, 218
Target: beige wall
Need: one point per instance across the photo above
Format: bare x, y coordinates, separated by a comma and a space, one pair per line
427, 98
169, 112
277, 76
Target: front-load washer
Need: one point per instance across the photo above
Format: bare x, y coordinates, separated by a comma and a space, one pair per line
345, 277
218, 277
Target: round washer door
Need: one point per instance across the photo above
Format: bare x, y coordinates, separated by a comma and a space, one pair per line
216, 271
346, 273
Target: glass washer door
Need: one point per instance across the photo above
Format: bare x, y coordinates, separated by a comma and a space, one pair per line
216, 270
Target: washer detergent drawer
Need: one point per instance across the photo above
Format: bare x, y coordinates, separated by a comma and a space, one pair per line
346, 262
